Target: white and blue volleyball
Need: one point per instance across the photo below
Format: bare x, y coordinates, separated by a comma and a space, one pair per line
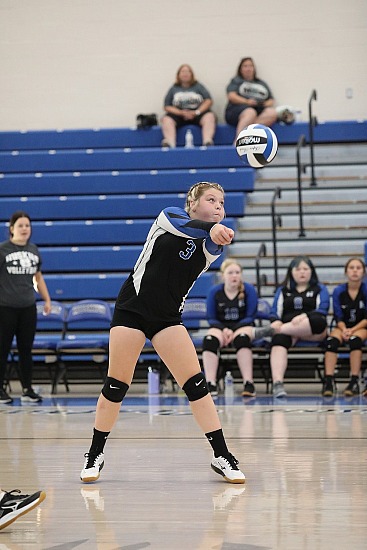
257, 145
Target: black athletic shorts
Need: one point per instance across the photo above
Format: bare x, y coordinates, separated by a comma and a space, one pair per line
150, 327
233, 112
182, 122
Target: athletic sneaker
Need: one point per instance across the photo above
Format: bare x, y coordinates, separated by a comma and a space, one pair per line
213, 389
12, 506
30, 396
92, 466
352, 389
328, 387
249, 390
226, 466
4, 397
278, 390
263, 332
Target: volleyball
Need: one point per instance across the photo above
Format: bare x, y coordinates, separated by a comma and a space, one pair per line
257, 145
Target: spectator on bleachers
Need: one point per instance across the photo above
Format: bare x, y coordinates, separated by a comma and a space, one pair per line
299, 312
187, 102
231, 309
350, 314
181, 244
20, 273
250, 100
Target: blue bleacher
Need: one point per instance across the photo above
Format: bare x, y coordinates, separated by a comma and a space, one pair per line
90, 258
96, 232
330, 131
106, 286
105, 206
127, 182
112, 159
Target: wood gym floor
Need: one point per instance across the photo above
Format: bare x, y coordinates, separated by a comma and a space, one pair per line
304, 459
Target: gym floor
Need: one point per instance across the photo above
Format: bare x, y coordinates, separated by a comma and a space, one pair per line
304, 458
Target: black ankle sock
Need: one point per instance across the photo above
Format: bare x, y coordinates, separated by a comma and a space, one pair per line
354, 378
217, 441
98, 441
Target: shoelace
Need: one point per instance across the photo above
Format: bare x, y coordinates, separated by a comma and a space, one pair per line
231, 460
92, 459
9, 495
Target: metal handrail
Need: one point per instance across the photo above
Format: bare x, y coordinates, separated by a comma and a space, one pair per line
276, 222
260, 280
312, 121
300, 168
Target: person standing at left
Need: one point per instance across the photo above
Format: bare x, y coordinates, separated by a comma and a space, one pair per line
20, 274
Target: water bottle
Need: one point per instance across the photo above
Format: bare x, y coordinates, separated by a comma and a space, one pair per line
189, 139
153, 381
228, 384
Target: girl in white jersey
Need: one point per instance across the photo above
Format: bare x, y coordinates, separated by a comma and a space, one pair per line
181, 244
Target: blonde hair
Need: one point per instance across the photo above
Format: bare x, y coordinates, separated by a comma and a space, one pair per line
196, 192
241, 287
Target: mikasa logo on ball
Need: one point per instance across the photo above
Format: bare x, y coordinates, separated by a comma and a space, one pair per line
248, 140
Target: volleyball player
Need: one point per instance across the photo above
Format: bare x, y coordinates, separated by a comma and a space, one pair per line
181, 244
350, 310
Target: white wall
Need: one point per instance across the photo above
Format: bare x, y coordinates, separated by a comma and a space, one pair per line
98, 63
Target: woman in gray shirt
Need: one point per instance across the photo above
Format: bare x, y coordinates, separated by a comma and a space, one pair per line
20, 273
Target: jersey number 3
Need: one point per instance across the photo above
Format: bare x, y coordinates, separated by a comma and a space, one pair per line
189, 250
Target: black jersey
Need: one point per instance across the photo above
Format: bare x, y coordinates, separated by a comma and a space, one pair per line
177, 250
350, 311
290, 303
223, 312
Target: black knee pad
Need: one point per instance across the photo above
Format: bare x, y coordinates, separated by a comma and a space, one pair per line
282, 340
196, 387
242, 341
355, 342
317, 322
114, 390
211, 343
332, 344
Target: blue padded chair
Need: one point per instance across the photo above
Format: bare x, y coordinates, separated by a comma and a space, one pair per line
263, 310
86, 337
194, 318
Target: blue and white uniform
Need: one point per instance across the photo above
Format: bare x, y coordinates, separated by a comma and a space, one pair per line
177, 251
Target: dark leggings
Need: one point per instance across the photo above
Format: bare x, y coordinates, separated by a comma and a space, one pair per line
20, 322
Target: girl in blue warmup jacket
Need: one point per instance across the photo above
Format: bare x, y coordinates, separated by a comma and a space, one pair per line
299, 312
231, 309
